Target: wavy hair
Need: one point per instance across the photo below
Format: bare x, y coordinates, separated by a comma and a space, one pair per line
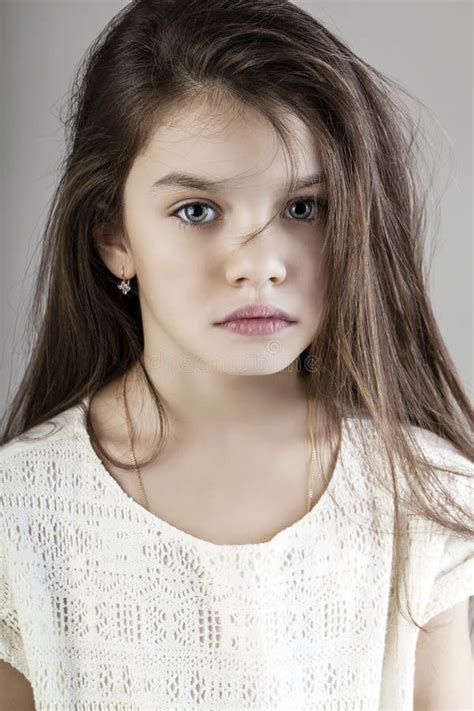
378, 356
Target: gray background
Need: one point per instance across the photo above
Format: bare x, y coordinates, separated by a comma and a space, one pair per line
426, 46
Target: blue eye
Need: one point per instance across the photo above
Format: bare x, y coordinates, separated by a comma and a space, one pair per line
202, 206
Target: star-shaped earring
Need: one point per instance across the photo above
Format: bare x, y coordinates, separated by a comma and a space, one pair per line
124, 286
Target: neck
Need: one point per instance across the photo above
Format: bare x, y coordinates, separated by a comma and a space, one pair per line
211, 407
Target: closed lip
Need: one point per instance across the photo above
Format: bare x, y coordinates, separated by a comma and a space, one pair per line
257, 311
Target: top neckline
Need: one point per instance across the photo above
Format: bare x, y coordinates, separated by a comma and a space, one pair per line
165, 529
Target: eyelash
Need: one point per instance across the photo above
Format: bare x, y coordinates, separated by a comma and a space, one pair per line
182, 223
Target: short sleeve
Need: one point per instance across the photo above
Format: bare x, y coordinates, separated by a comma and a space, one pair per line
454, 573
454, 579
11, 644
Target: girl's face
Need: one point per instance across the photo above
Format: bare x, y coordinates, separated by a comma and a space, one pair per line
190, 246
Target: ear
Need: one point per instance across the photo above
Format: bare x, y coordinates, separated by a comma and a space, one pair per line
113, 250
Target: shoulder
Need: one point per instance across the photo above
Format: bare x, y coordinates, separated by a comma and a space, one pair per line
441, 451
438, 451
40, 448
449, 468
453, 468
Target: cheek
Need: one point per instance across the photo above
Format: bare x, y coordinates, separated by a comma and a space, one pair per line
311, 272
168, 255
173, 281
321, 288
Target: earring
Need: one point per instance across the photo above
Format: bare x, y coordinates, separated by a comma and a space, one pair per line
124, 286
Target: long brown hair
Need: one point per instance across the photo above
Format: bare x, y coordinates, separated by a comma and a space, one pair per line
378, 353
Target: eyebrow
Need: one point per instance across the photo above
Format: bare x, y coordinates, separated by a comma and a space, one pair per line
199, 182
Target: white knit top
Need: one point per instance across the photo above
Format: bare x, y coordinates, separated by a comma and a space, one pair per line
103, 605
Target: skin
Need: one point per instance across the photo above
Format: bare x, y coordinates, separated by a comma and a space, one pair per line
444, 670
16, 693
236, 406
189, 278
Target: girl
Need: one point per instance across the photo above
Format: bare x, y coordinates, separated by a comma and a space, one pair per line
237, 473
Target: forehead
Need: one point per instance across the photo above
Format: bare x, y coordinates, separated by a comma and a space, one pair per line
237, 149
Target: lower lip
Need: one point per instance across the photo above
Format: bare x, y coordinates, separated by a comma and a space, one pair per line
256, 326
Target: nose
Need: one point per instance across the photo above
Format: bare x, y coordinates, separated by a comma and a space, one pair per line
255, 271
256, 260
